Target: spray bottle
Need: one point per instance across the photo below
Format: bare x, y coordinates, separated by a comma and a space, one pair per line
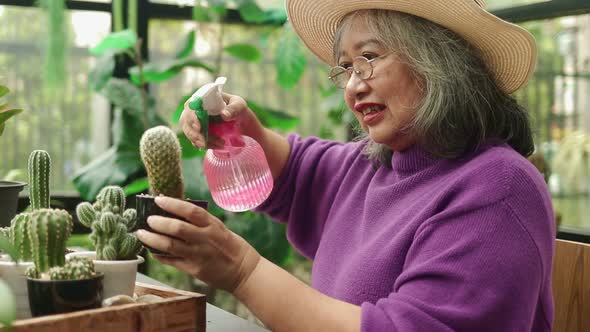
238, 174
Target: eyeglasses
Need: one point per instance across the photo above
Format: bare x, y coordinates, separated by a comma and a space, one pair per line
361, 66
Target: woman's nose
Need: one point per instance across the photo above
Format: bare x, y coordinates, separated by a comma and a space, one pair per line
356, 85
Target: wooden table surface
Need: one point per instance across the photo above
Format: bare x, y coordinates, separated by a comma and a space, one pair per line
218, 320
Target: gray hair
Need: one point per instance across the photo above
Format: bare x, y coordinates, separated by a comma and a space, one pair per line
462, 106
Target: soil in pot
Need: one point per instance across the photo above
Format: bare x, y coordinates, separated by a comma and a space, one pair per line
146, 206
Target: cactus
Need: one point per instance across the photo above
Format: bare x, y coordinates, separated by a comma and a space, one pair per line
76, 268
39, 169
110, 224
161, 154
48, 232
5, 232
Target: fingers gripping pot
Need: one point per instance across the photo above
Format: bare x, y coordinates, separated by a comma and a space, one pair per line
238, 174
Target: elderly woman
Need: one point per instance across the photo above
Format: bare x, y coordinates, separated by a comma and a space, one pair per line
433, 221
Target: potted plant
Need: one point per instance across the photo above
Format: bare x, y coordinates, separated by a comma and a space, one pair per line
8, 189
71, 287
161, 154
116, 248
13, 270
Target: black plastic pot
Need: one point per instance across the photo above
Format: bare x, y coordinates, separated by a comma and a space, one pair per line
146, 206
9, 200
48, 297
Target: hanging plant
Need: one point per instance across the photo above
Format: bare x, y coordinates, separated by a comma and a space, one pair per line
56, 47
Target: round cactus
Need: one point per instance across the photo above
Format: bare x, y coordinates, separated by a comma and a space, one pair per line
19, 236
161, 154
39, 167
110, 224
76, 268
5, 232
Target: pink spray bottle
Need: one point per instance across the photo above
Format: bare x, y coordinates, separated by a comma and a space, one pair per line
238, 174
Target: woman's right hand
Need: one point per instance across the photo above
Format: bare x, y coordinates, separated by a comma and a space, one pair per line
236, 110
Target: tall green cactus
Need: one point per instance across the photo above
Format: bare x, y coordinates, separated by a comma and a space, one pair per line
39, 167
39, 170
110, 224
47, 231
161, 154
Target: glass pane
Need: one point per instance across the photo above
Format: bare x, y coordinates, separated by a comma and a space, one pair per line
500, 4
254, 81
73, 129
558, 99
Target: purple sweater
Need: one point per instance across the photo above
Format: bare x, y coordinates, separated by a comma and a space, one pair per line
429, 245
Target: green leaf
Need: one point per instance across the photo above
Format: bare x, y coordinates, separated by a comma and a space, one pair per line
5, 115
245, 52
201, 14
276, 17
137, 186
102, 72
266, 236
251, 13
176, 115
188, 150
125, 95
188, 45
7, 247
289, 59
273, 118
195, 184
115, 42
4, 90
164, 70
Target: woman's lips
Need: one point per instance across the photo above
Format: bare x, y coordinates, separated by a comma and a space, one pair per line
373, 118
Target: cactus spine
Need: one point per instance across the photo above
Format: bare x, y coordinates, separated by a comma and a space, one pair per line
39, 169
161, 154
5, 232
110, 224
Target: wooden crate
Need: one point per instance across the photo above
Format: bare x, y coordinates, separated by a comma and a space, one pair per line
179, 311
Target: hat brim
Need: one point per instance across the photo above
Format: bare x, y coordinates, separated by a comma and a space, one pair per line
508, 50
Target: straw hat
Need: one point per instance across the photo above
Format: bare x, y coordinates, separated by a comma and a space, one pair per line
508, 49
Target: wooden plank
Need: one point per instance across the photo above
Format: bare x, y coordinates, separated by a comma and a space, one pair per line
571, 286
180, 311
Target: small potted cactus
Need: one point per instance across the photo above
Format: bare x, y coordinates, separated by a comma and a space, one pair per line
116, 248
71, 287
18, 234
161, 155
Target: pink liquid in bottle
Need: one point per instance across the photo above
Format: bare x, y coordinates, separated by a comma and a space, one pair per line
238, 175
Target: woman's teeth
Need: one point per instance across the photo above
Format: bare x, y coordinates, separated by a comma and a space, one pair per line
372, 109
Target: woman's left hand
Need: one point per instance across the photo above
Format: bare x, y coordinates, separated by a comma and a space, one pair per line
201, 246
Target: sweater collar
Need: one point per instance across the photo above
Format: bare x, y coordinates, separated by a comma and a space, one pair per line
412, 160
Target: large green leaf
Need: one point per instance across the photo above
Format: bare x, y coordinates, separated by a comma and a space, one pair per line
116, 42
124, 95
290, 59
102, 72
251, 13
195, 184
3, 90
137, 186
245, 52
187, 148
187, 46
176, 115
164, 70
266, 236
273, 118
5, 115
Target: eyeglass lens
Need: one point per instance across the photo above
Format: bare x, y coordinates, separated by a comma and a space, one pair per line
361, 67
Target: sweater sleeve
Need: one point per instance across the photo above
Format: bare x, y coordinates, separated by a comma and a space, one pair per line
461, 274
303, 193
